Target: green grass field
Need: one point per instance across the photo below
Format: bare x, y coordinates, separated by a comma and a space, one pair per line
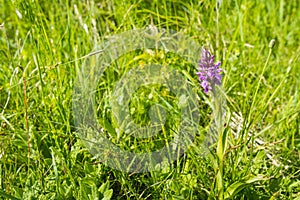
44, 44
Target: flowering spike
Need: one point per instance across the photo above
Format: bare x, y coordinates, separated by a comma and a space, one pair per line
208, 71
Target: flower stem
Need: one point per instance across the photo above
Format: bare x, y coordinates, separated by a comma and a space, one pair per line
218, 115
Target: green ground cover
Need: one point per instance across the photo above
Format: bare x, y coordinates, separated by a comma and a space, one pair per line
43, 45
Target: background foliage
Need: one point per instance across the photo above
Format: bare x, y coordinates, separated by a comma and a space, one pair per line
40, 44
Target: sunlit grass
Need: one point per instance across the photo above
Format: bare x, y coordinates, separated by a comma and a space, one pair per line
44, 44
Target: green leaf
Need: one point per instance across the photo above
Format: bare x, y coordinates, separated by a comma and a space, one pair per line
237, 186
7, 196
104, 187
107, 194
297, 198
295, 184
176, 197
109, 128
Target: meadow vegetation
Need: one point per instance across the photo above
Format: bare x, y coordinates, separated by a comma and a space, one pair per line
43, 45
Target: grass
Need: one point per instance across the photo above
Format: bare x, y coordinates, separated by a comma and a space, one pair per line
43, 45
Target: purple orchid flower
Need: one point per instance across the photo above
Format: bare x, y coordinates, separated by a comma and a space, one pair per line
209, 72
